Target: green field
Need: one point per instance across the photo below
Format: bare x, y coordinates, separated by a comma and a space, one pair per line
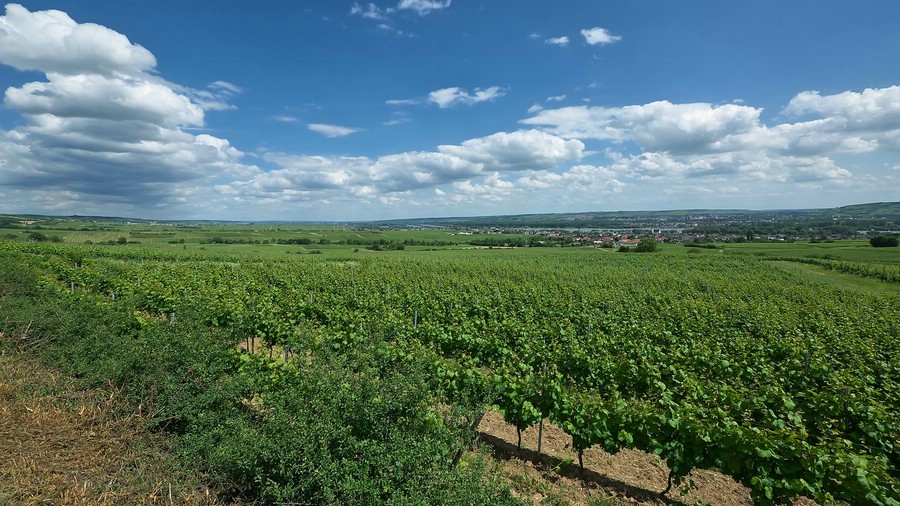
774, 363
853, 251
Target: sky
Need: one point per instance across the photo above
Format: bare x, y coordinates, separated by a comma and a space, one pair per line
353, 111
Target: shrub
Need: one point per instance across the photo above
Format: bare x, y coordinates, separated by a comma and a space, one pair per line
883, 241
647, 245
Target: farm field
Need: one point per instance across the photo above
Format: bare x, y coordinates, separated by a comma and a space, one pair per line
720, 360
848, 250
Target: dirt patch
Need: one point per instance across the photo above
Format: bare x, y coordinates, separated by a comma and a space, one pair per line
60, 444
628, 477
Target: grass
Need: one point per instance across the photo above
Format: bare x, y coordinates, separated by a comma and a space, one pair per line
851, 251
198, 239
817, 274
63, 444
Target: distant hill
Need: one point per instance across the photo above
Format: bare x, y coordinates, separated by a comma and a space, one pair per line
878, 210
872, 216
881, 214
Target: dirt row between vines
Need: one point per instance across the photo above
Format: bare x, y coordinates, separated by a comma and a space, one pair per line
628, 477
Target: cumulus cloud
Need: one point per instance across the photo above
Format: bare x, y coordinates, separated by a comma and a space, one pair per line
730, 143
657, 126
599, 36
449, 97
530, 149
52, 42
558, 41
305, 177
871, 109
103, 126
105, 97
332, 130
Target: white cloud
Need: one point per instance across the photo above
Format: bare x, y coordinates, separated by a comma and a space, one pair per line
102, 127
227, 87
597, 35
403, 101
528, 149
105, 97
453, 96
746, 167
491, 188
558, 41
215, 97
371, 11
422, 7
449, 97
729, 143
283, 118
872, 109
535, 108
556, 98
51, 41
306, 177
332, 130
398, 119
657, 126
388, 28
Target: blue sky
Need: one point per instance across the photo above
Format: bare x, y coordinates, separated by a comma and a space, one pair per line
343, 110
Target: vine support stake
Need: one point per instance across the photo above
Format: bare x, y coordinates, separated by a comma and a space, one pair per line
540, 435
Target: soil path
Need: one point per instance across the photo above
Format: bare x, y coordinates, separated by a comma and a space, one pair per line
628, 477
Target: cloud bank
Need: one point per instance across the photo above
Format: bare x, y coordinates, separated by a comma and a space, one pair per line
102, 127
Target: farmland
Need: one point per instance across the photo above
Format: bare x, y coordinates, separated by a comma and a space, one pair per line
300, 363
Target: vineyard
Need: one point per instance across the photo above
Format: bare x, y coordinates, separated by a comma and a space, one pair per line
710, 362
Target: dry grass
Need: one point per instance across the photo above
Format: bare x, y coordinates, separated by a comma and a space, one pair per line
60, 444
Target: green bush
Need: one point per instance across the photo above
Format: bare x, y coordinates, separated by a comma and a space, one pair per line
883, 241
354, 427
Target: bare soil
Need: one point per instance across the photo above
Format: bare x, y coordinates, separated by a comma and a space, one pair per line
628, 477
